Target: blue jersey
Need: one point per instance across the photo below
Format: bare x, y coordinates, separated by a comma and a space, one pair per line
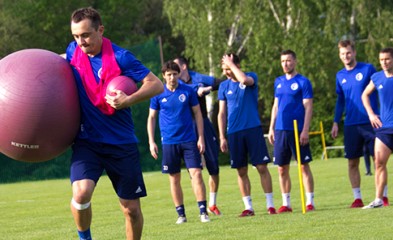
96, 126
349, 88
175, 114
242, 104
290, 94
384, 86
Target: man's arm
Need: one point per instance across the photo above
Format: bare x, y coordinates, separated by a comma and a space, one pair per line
222, 125
239, 74
273, 121
199, 123
151, 127
374, 119
308, 105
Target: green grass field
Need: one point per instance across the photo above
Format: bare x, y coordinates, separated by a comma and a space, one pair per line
40, 210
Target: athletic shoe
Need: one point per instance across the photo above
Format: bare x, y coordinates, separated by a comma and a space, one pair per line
385, 201
214, 210
358, 203
310, 208
284, 209
271, 210
247, 213
181, 220
369, 174
204, 218
374, 204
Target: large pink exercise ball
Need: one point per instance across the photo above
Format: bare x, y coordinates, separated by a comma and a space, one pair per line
39, 105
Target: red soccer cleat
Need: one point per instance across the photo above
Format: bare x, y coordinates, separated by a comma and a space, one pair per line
385, 201
310, 208
271, 210
358, 203
214, 210
284, 209
247, 213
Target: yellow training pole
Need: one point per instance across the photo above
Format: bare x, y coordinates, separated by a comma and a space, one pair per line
299, 164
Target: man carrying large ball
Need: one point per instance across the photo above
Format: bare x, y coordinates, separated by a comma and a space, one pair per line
106, 139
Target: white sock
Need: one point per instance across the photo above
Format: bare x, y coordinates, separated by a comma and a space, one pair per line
385, 191
212, 199
247, 203
269, 200
309, 198
286, 199
357, 194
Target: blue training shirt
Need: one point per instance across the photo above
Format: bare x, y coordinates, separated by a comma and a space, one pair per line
349, 88
384, 86
290, 94
242, 104
96, 126
175, 114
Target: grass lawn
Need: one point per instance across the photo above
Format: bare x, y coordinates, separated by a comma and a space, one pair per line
40, 210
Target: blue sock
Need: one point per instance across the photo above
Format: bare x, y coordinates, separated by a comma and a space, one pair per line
202, 207
85, 235
181, 211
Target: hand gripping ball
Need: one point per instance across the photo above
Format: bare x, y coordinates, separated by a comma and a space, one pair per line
123, 83
39, 105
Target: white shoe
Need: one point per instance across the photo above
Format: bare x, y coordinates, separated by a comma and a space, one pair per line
374, 204
181, 220
204, 218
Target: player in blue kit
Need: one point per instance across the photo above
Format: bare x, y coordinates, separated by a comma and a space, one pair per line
106, 140
358, 132
293, 100
203, 85
176, 107
382, 82
238, 119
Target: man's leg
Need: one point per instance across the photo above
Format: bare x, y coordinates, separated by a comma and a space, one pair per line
308, 181
82, 192
134, 218
285, 186
382, 153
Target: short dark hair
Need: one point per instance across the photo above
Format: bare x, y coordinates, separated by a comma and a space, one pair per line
346, 43
236, 59
387, 50
288, 52
182, 60
170, 65
87, 13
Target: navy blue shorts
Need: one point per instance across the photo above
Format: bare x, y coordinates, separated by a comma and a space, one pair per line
121, 163
173, 153
285, 148
248, 142
356, 137
386, 136
212, 147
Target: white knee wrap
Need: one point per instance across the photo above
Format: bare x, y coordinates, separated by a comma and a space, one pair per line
79, 206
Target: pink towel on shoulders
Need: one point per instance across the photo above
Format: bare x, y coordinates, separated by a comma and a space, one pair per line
110, 69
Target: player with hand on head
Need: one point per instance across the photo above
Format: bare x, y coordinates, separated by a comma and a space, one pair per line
238, 120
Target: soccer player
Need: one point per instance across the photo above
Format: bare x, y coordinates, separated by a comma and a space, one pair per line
381, 81
350, 83
203, 84
176, 107
293, 100
238, 119
106, 139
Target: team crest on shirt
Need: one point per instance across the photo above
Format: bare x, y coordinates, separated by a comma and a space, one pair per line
182, 98
99, 73
359, 76
242, 86
294, 86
